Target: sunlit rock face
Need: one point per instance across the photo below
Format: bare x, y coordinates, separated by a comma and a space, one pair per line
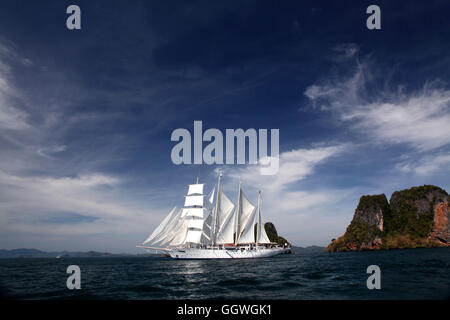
415, 217
441, 227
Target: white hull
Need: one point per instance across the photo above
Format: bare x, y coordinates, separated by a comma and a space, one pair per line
220, 253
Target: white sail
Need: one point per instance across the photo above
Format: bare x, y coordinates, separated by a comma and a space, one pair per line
262, 235
161, 226
207, 225
172, 231
171, 224
246, 210
225, 208
248, 233
195, 189
194, 216
226, 232
193, 201
192, 212
195, 223
222, 211
205, 239
180, 233
211, 196
193, 236
207, 222
195, 230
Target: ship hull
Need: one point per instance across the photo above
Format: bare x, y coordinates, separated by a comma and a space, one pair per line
216, 253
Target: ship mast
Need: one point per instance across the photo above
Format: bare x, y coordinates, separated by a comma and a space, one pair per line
258, 221
238, 212
216, 211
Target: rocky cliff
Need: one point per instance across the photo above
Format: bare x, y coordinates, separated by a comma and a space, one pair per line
441, 225
416, 217
271, 232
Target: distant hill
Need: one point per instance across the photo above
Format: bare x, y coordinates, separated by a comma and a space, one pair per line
309, 249
413, 218
18, 253
35, 253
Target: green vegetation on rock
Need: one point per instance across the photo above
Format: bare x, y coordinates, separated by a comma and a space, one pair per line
363, 228
412, 211
405, 222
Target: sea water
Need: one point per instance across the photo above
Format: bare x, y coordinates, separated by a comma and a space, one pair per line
405, 274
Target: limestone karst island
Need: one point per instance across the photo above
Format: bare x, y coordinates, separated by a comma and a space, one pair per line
413, 218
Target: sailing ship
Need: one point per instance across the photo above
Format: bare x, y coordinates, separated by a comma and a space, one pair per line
213, 227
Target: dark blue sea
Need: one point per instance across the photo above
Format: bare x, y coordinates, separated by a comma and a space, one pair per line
405, 274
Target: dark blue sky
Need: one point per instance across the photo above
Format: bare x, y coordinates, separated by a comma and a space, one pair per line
86, 115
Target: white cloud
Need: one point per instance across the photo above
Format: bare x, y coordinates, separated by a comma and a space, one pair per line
35, 207
52, 195
419, 119
345, 51
46, 201
295, 165
46, 152
426, 165
422, 121
10, 116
